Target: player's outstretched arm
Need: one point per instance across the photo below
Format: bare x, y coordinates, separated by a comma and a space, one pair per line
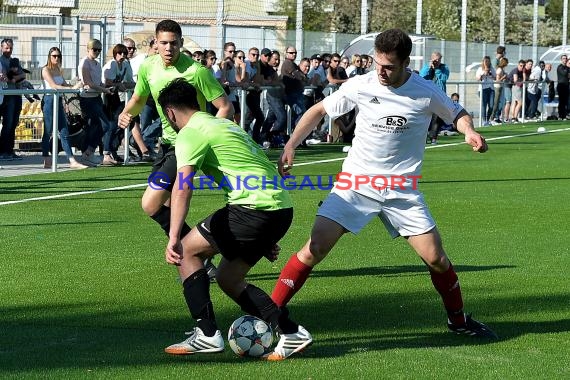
464, 124
133, 108
308, 122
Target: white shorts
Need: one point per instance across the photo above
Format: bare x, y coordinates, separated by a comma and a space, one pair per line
403, 213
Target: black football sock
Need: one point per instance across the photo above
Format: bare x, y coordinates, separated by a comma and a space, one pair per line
197, 296
256, 302
162, 217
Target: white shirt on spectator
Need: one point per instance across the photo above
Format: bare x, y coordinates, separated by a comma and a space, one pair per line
535, 75
112, 72
487, 80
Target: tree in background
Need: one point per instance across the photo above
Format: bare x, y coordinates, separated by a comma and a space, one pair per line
386, 14
440, 18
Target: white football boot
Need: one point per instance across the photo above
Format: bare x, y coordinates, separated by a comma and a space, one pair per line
289, 344
197, 342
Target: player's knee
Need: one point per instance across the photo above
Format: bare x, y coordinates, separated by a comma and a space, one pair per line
437, 261
317, 251
148, 207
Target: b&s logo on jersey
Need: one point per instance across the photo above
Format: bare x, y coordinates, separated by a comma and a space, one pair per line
391, 124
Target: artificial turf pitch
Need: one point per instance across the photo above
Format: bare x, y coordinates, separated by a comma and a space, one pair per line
85, 291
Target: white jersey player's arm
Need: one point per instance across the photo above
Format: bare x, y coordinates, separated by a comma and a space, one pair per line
309, 121
464, 124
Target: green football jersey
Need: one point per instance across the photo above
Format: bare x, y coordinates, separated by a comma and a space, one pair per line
232, 162
153, 76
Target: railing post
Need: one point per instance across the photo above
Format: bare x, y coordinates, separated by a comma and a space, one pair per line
55, 131
242, 92
126, 142
289, 119
523, 101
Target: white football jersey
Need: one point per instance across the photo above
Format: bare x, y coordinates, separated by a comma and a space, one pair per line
391, 124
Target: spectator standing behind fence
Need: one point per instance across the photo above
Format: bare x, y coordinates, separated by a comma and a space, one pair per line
233, 75
500, 53
52, 76
336, 74
533, 90
516, 76
526, 77
486, 74
294, 81
502, 94
90, 74
253, 95
12, 104
438, 73
276, 119
562, 73
354, 68
118, 75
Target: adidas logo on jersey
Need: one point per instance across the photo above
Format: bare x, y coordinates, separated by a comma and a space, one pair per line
374, 100
288, 282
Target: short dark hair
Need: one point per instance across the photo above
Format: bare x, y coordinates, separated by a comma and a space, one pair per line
169, 26
180, 94
119, 49
394, 40
501, 49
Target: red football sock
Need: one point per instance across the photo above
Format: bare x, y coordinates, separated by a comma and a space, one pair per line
447, 285
291, 279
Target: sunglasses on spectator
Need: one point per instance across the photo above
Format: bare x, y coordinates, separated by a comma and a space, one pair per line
254, 55
231, 51
335, 60
131, 48
240, 56
291, 52
212, 58
96, 50
55, 55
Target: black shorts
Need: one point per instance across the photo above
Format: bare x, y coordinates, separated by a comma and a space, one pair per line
237, 231
164, 170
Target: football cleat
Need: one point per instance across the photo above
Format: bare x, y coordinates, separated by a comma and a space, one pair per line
289, 344
472, 328
197, 342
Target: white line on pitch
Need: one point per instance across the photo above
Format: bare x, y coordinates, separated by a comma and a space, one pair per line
72, 194
299, 164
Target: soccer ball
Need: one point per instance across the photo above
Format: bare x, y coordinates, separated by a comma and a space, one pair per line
541, 130
250, 336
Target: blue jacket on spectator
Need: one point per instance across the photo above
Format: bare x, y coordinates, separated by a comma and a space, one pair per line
438, 75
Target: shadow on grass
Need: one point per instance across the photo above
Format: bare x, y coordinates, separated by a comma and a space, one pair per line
74, 176
110, 335
63, 223
384, 271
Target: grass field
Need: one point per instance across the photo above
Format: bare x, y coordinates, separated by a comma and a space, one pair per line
85, 291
